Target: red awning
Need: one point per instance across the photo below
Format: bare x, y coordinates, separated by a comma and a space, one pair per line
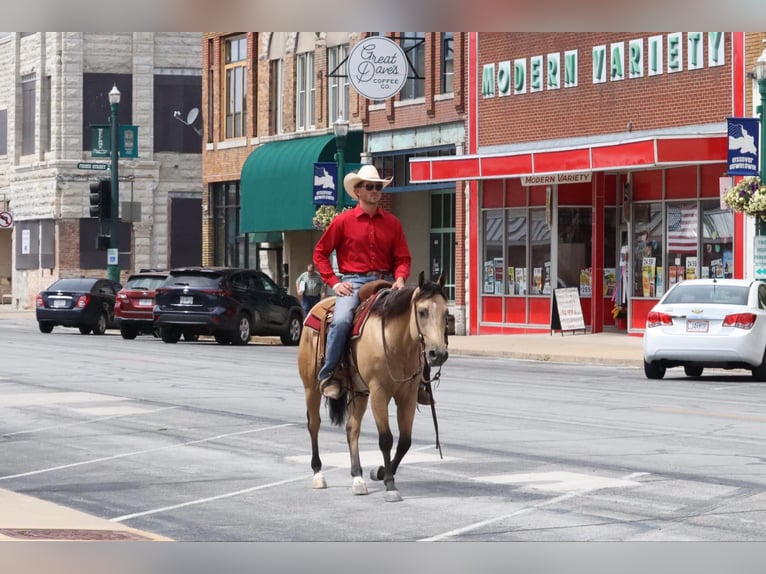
660, 151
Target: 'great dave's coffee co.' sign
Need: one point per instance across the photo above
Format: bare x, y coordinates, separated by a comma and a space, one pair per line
377, 68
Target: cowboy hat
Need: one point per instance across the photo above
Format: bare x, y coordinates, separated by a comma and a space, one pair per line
365, 173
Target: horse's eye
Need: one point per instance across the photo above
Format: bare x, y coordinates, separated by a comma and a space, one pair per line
423, 313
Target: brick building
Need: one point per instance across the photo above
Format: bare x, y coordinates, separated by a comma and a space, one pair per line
53, 90
271, 102
594, 162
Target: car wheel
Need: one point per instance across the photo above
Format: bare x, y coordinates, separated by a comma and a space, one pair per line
100, 327
654, 370
242, 335
128, 332
759, 372
222, 338
191, 337
294, 327
84, 329
693, 371
45, 327
170, 334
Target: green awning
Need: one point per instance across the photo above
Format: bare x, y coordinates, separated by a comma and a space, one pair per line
277, 182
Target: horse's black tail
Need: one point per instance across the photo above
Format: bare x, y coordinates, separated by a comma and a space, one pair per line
338, 410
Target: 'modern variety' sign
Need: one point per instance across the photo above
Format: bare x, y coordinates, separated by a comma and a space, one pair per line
377, 68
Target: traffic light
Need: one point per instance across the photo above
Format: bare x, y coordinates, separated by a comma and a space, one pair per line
101, 199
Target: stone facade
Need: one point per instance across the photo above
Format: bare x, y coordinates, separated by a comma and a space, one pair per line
47, 185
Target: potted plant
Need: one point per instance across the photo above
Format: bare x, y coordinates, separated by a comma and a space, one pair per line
324, 215
620, 316
748, 196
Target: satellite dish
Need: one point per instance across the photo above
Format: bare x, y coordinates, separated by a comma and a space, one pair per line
193, 113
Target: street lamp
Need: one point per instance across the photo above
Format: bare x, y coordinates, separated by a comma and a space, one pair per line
113, 266
760, 76
340, 127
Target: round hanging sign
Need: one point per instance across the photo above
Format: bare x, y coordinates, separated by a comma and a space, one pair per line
377, 68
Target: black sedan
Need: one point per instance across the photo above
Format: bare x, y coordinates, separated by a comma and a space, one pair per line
82, 302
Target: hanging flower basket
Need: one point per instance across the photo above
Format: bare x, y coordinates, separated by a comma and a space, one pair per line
748, 196
324, 215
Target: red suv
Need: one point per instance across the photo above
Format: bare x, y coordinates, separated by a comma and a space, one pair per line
135, 303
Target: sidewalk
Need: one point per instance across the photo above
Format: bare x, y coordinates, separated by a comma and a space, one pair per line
27, 518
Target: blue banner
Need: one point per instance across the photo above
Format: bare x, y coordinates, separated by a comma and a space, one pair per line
325, 183
742, 158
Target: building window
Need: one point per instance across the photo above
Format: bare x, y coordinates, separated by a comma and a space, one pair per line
235, 87
45, 128
648, 248
211, 91
28, 94
3, 132
413, 44
442, 236
337, 82
226, 205
304, 91
448, 62
276, 81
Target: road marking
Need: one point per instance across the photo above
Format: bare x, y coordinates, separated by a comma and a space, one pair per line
519, 512
210, 498
701, 413
559, 481
140, 452
87, 422
33, 399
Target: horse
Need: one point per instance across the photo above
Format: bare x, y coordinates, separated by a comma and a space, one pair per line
405, 333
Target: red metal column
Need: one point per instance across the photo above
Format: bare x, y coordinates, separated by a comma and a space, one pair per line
597, 253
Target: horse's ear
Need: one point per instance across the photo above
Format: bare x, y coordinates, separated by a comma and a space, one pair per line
421, 278
441, 280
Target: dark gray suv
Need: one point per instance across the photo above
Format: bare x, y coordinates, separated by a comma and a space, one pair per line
231, 304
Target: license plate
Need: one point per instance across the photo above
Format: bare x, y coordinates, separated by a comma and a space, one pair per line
58, 303
186, 300
145, 302
697, 326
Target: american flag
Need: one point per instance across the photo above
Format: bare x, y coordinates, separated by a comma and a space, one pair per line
682, 229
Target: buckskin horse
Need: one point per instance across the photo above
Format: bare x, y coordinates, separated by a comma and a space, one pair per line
405, 333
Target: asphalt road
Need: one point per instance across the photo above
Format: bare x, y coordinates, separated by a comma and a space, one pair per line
201, 442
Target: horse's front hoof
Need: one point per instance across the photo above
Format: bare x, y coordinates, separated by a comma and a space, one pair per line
376, 474
359, 486
392, 496
318, 482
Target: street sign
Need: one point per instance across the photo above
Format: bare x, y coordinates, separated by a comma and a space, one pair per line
759, 257
112, 256
91, 165
6, 219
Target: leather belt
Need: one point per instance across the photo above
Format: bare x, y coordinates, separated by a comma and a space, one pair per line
378, 274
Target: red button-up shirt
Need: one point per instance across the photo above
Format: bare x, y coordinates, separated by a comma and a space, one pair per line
363, 244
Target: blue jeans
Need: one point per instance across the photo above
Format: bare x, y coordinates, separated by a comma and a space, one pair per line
342, 321
307, 302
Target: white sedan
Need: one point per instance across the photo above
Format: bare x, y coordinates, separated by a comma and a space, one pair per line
715, 323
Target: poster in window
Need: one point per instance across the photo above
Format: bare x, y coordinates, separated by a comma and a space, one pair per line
547, 279
716, 268
537, 280
585, 282
647, 276
521, 279
659, 290
691, 267
498, 265
610, 281
489, 276
512, 285
727, 263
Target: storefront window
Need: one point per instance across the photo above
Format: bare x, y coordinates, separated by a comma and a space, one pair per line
647, 249
574, 257
540, 242
683, 242
516, 236
717, 240
493, 253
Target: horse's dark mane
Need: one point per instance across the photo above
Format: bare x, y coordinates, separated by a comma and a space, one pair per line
393, 303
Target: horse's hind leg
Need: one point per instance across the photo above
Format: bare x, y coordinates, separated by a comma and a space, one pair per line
353, 428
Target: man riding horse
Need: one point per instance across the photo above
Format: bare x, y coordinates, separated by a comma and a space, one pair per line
369, 244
